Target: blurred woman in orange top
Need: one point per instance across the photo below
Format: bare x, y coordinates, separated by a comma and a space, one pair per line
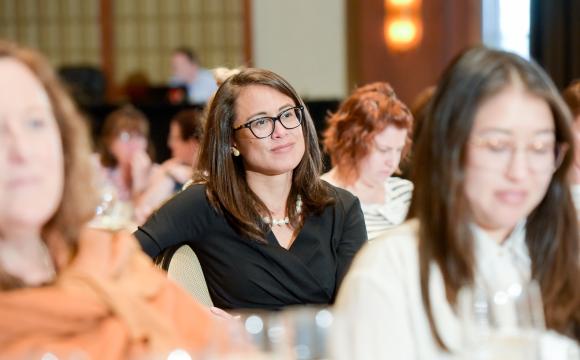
66, 288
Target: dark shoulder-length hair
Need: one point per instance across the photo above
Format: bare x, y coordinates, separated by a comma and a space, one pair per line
441, 206
224, 174
79, 198
190, 123
360, 117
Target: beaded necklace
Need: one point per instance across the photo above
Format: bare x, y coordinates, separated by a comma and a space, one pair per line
286, 220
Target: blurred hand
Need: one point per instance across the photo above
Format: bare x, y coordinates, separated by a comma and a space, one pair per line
140, 170
222, 314
178, 171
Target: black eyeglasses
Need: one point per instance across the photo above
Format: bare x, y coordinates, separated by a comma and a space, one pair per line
263, 127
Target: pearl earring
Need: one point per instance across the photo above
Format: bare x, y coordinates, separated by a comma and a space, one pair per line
235, 151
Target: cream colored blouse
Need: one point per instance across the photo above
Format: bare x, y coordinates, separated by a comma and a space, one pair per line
380, 314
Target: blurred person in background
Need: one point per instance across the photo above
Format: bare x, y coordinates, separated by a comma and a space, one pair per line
67, 289
185, 134
186, 71
126, 154
267, 231
366, 139
493, 209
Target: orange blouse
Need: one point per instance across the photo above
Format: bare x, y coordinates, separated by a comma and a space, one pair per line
109, 303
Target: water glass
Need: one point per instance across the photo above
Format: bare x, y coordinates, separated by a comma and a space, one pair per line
501, 323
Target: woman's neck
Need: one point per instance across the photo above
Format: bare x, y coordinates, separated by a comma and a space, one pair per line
369, 192
25, 255
498, 234
272, 190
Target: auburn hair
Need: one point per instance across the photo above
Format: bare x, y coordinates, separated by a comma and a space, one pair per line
363, 115
572, 97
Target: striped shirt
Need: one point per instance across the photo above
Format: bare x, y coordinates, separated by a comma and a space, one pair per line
380, 217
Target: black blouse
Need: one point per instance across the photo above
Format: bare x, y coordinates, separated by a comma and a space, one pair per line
243, 273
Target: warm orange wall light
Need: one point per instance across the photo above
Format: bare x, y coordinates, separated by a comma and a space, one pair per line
402, 26
401, 3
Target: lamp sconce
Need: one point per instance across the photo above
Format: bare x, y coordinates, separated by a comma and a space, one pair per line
402, 25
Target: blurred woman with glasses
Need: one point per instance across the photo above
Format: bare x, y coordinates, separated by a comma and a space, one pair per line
492, 206
367, 138
268, 232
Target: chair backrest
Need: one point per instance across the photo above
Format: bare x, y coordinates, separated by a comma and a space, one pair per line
183, 267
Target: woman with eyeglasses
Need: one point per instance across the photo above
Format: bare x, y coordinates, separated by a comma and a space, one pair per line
493, 209
367, 138
268, 232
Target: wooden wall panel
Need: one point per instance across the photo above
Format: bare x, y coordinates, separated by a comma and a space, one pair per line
66, 31
448, 27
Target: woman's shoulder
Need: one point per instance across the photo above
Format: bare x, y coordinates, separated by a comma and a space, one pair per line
193, 197
192, 193
397, 184
394, 248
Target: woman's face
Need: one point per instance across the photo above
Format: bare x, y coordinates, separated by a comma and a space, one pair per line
385, 155
183, 150
278, 153
126, 144
32, 166
510, 158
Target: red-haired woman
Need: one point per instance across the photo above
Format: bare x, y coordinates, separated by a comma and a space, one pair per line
366, 139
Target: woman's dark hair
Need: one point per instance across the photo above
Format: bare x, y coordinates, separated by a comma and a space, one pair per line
190, 124
419, 109
362, 116
126, 118
441, 206
224, 174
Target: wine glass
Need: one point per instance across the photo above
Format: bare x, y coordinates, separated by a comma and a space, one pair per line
296, 333
501, 323
308, 331
263, 330
112, 213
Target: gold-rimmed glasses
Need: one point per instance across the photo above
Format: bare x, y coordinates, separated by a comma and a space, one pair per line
496, 153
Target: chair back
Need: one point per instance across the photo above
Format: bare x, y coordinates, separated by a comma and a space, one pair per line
183, 267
